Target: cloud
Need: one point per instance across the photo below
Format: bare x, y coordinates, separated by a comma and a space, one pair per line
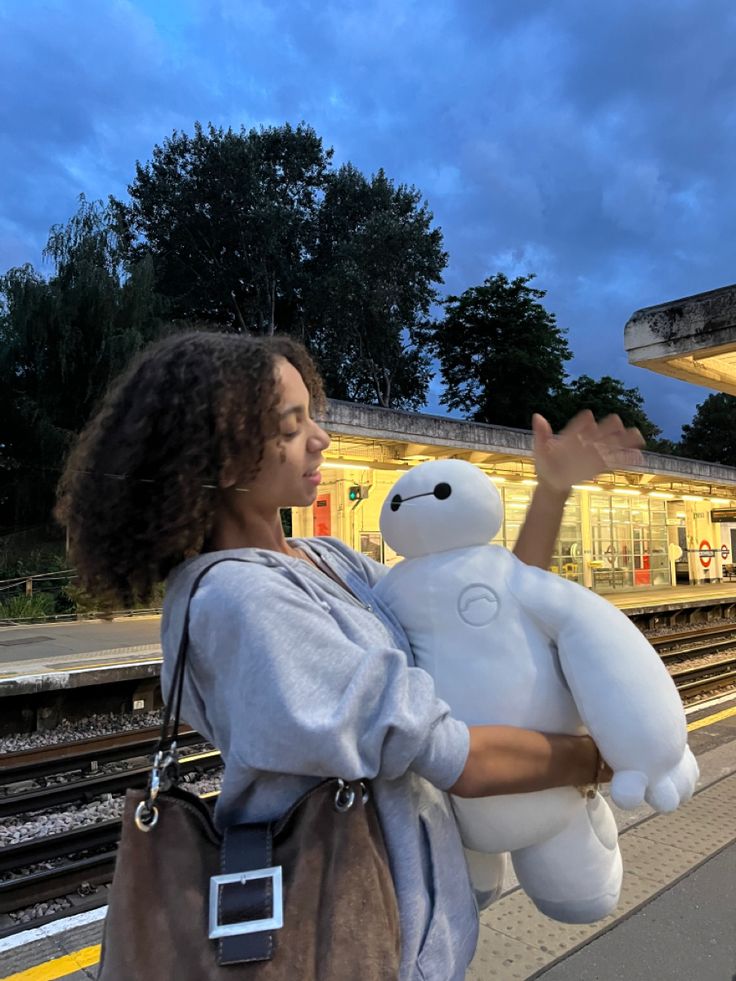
592, 144
93, 86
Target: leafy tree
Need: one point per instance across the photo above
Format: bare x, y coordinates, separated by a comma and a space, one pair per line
602, 397
712, 433
370, 286
62, 340
501, 353
228, 219
663, 445
252, 230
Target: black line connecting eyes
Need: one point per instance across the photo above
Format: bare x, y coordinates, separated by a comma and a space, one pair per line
441, 491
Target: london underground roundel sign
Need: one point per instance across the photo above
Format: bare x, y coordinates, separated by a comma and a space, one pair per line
706, 553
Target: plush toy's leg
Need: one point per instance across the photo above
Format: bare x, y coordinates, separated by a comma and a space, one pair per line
575, 877
487, 874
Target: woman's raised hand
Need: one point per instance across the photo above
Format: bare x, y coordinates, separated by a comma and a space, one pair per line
583, 449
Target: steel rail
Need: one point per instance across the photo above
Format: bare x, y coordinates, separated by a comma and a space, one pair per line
708, 647
701, 670
705, 684
29, 764
706, 630
54, 846
37, 887
87, 789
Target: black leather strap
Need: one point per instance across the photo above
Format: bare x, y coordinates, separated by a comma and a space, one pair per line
173, 703
246, 847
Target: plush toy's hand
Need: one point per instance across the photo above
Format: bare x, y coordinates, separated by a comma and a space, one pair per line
583, 449
629, 788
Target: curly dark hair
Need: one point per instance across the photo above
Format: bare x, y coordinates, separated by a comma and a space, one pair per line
134, 494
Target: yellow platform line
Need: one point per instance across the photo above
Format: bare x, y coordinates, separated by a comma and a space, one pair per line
210, 754
710, 719
60, 967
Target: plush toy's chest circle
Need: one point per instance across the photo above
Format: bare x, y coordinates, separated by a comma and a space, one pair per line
478, 605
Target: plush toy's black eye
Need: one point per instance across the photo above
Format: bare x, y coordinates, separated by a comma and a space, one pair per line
442, 491
396, 502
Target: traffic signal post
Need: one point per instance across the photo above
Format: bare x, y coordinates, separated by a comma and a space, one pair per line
358, 493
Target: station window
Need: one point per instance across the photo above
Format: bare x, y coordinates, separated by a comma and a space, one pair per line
568, 550
567, 557
659, 562
515, 504
629, 541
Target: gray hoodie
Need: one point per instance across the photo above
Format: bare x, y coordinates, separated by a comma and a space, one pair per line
294, 680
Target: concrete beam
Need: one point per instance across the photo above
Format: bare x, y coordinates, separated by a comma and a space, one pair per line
693, 339
375, 422
496, 444
480, 456
677, 467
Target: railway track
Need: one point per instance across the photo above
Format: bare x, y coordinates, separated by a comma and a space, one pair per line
90, 787
62, 863
699, 681
58, 864
87, 754
706, 680
708, 638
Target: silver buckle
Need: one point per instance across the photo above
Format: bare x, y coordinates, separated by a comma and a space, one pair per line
274, 922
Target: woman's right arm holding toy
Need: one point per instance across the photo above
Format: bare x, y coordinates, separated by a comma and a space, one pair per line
509, 760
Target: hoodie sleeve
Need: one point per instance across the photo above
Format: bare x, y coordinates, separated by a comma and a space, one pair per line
285, 691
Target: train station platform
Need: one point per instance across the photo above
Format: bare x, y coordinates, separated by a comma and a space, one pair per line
675, 919
660, 853
672, 597
686, 932
50, 656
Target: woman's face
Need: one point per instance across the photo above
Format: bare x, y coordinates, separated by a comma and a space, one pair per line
289, 473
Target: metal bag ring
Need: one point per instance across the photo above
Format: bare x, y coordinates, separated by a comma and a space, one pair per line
364, 794
345, 797
145, 817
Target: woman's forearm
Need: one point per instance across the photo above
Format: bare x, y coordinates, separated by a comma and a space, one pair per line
536, 542
507, 760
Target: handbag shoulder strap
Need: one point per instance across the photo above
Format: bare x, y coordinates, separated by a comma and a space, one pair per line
173, 702
164, 772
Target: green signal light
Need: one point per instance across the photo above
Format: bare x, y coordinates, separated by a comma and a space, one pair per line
355, 493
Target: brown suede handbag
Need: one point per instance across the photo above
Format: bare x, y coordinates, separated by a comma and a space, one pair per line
309, 897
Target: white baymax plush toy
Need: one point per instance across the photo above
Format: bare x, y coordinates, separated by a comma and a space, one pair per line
509, 644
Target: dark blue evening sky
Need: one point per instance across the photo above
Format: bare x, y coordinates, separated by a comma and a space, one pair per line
591, 143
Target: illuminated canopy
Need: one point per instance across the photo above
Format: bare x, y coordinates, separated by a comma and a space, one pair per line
693, 339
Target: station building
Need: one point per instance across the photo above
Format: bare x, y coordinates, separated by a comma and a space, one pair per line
671, 521
693, 339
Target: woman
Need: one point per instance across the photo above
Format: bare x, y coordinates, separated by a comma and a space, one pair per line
296, 673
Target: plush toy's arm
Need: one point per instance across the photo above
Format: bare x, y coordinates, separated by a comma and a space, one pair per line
622, 690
